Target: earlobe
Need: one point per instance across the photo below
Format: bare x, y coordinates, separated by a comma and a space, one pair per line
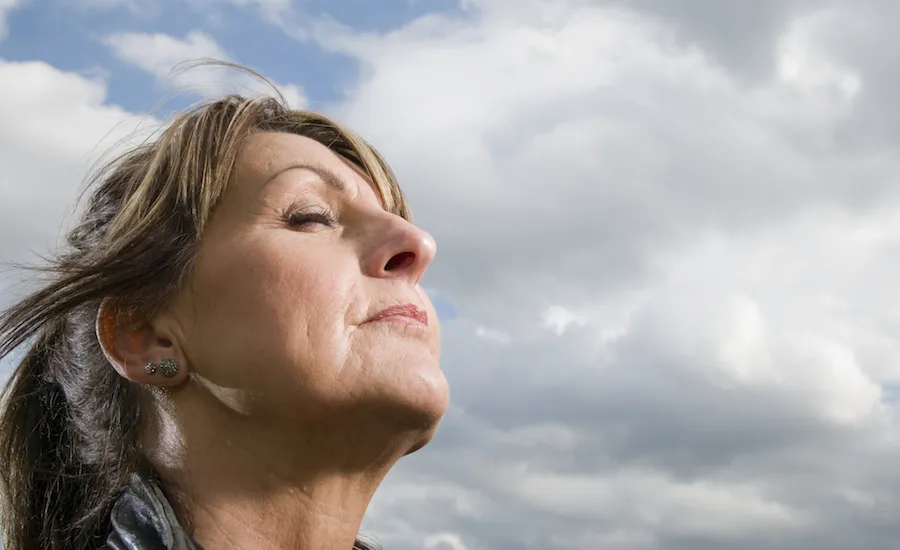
168, 367
134, 349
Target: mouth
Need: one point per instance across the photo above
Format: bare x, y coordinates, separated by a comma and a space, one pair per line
404, 313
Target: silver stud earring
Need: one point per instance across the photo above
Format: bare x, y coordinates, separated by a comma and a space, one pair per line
150, 368
169, 367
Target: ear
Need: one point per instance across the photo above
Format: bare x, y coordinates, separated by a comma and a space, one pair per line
131, 343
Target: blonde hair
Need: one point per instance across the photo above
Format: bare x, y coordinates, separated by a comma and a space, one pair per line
69, 427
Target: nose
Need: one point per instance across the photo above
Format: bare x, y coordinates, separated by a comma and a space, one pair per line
403, 252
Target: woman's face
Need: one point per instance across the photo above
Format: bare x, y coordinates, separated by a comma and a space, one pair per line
304, 303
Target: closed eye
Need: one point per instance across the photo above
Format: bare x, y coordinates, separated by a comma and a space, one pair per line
308, 218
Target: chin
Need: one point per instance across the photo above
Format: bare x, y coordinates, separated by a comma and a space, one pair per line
432, 394
425, 439
424, 408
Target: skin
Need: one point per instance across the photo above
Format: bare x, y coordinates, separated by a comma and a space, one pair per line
290, 405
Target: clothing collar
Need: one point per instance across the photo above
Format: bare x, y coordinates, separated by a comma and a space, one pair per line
143, 519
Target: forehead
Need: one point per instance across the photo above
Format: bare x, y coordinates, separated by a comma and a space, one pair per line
265, 154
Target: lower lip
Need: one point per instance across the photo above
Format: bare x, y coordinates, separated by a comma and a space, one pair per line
401, 320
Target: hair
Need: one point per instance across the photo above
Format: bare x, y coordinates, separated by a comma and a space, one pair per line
70, 424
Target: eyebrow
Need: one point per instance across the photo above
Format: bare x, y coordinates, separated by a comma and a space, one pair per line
328, 176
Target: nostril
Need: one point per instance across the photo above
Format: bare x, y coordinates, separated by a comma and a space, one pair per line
400, 261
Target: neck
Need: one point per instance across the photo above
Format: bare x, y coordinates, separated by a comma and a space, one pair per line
247, 485
322, 513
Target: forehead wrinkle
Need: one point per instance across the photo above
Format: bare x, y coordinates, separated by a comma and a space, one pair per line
264, 161
324, 173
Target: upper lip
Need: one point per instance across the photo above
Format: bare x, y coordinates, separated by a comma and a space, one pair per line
405, 310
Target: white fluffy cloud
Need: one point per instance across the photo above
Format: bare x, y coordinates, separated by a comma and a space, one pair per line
689, 265
160, 53
596, 135
56, 126
6, 6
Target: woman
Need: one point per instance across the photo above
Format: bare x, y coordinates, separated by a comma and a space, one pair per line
232, 351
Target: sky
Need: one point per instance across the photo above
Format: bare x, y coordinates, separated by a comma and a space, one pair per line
667, 232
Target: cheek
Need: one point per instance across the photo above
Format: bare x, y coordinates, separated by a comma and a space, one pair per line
258, 306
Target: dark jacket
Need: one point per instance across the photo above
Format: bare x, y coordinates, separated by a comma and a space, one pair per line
143, 519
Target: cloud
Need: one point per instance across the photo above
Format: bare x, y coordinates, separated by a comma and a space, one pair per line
270, 8
57, 125
286, 15
598, 138
159, 54
689, 248
492, 335
448, 541
6, 6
